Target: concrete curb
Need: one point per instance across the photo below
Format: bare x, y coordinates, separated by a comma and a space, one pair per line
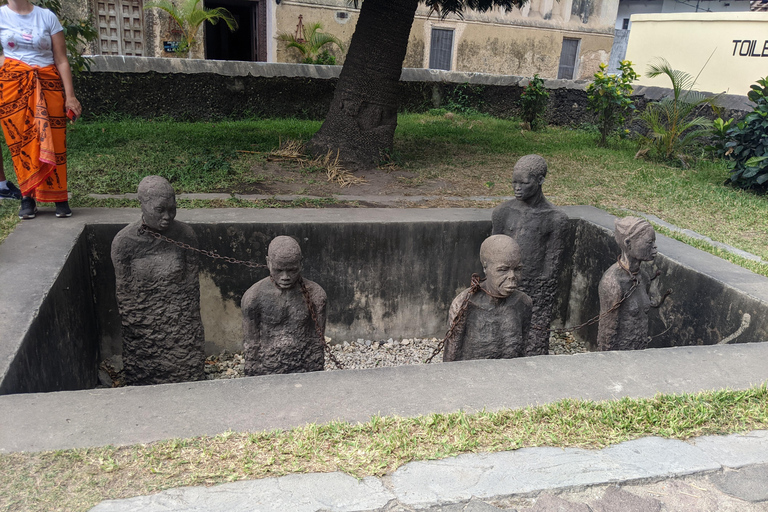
463, 479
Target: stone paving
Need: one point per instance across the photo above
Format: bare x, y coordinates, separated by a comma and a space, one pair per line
713, 473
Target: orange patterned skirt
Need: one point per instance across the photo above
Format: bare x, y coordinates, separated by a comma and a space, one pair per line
35, 128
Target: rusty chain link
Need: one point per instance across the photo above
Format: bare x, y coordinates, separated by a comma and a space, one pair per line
473, 289
311, 308
144, 229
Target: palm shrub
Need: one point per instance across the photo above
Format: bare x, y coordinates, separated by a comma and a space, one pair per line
310, 47
610, 97
747, 142
672, 122
533, 102
188, 15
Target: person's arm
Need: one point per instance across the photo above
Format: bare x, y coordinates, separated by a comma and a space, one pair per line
610, 292
62, 64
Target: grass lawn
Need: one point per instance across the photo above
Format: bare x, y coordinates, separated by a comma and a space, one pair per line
447, 157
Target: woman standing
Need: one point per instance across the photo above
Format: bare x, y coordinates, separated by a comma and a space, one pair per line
36, 96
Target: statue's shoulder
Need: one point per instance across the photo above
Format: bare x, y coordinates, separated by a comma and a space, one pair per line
315, 291
182, 232
128, 235
519, 299
256, 291
506, 207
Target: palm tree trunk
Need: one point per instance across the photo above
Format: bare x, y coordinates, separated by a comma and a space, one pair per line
361, 121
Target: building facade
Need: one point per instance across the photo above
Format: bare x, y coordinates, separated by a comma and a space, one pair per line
552, 38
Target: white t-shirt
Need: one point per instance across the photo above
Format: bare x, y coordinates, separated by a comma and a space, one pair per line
27, 37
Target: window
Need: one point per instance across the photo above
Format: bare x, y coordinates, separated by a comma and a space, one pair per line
568, 57
121, 27
441, 49
625, 24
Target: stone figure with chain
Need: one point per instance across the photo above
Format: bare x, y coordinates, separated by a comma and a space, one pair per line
283, 316
626, 327
158, 292
491, 319
540, 229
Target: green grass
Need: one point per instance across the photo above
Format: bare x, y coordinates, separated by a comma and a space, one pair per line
471, 155
75, 480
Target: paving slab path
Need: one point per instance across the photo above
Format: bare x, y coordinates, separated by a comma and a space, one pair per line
707, 474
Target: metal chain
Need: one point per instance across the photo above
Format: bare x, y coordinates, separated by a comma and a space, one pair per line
595, 319
144, 229
313, 314
473, 289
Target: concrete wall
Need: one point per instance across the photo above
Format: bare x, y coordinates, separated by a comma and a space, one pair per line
49, 338
730, 50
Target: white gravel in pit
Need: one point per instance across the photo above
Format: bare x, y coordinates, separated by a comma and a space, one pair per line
362, 353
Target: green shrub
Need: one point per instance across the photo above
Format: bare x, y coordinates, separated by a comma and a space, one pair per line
610, 97
325, 57
747, 147
533, 103
672, 122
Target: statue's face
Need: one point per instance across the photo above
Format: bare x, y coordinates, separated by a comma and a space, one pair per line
285, 272
643, 246
525, 184
501, 275
158, 212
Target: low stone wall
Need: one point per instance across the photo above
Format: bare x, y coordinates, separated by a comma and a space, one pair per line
189, 89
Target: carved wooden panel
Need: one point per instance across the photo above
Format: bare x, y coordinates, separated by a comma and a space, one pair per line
121, 27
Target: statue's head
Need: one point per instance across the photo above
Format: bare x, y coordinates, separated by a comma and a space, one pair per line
528, 175
284, 261
500, 256
636, 238
158, 202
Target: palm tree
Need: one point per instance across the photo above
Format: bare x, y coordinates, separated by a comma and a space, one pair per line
362, 118
672, 121
189, 17
313, 41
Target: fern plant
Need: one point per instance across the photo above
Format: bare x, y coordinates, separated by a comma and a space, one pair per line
673, 123
188, 15
314, 39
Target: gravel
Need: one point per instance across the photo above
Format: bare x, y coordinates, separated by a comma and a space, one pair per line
363, 353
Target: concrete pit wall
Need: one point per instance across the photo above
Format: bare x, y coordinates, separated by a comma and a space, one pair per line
387, 273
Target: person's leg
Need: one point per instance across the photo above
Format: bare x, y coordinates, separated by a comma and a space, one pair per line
7, 189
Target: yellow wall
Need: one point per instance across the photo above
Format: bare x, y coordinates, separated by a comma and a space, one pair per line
688, 40
515, 43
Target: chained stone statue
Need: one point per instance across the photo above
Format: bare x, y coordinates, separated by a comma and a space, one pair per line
625, 327
158, 293
280, 334
540, 229
492, 317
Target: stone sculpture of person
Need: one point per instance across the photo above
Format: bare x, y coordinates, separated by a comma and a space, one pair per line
626, 327
540, 229
279, 332
497, 318
158, 293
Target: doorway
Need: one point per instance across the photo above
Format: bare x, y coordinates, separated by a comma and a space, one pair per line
248, 42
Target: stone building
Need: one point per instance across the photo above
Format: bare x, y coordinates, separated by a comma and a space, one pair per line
554, 38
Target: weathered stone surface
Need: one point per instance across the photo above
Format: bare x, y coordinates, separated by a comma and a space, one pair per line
549, 503
748, 483
736, 450
492, 320
626, 327
158, 293
297, 493
540, 229
280, 335
616, 499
